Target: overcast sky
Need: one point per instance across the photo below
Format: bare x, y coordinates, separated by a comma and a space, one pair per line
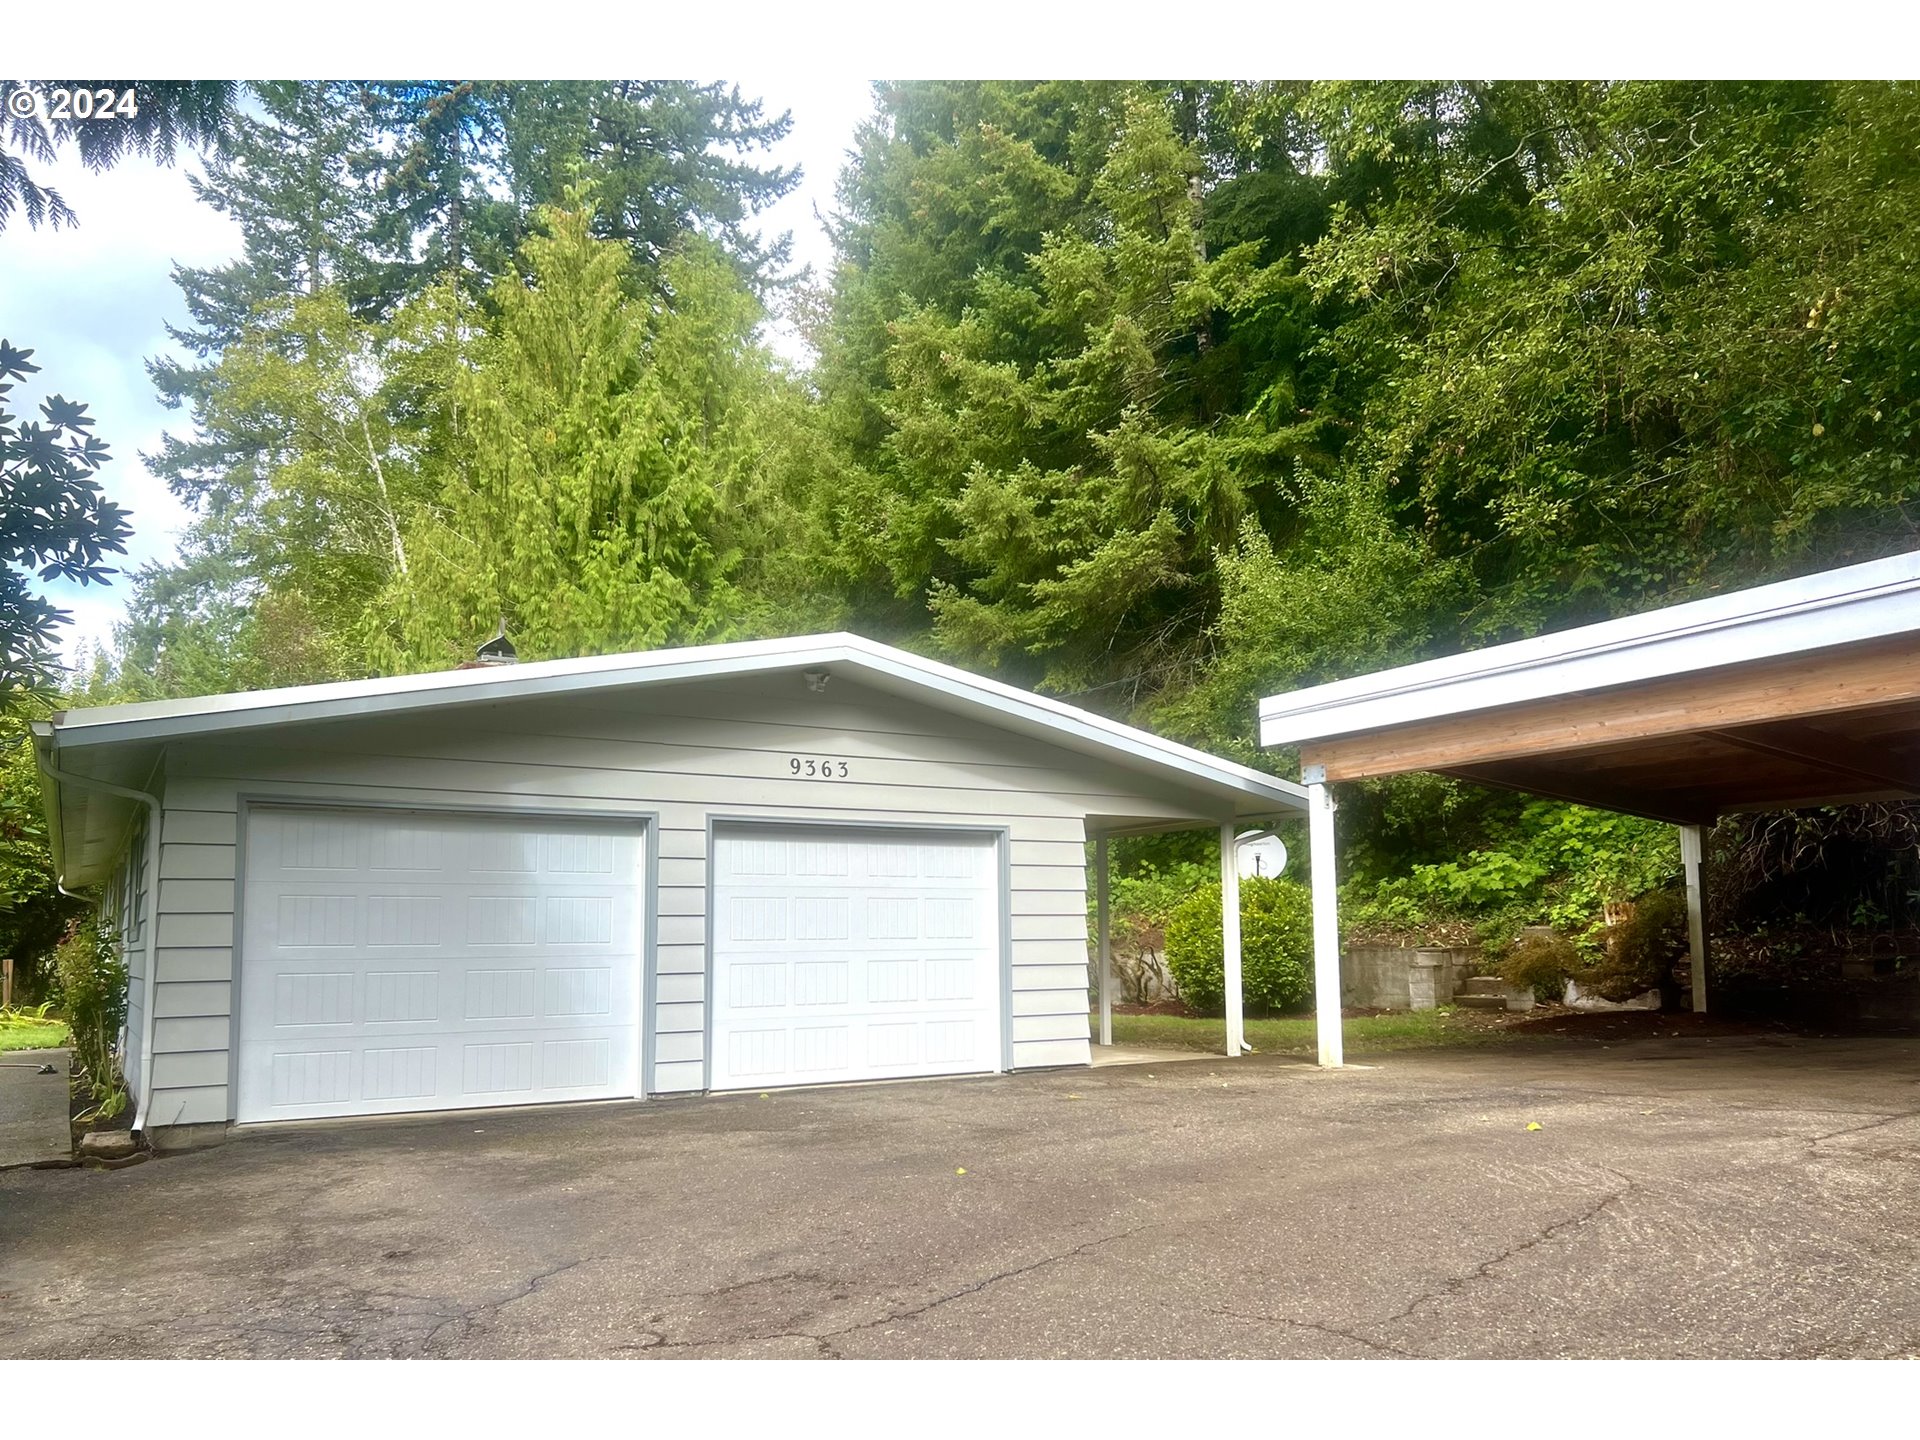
93, 302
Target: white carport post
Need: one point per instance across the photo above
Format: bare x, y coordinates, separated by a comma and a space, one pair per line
1326, 916
1692, 852
1230, 940
1103, 925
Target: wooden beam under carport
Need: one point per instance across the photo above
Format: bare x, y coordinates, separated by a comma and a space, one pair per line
1553, 784
1823, 750
1793, 687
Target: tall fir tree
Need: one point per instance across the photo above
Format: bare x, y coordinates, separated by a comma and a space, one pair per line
288, 177
609, 466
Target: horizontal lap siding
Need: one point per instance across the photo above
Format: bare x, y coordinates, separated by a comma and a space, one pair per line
193, 962
910, 765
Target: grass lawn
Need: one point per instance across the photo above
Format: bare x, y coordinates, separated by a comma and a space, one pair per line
1293, 1034
21, 1032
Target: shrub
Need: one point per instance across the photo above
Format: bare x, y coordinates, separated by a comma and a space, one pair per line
1276, 946
1542, 964
1643, 947
92, 981
1141, 904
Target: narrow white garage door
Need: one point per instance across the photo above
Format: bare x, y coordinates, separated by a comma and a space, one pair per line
406, 960
853, 955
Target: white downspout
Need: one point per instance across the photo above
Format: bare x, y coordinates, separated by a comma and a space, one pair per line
152, 888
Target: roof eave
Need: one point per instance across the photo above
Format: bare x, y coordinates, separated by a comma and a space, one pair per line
1527, 670
220, 715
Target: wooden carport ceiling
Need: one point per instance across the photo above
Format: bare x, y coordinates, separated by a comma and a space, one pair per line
1833, 726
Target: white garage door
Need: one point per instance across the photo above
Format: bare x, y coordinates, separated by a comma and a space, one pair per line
406, 960
853, 955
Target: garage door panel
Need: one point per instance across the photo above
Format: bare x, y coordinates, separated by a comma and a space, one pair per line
365, 990
473, 992
845, 955
485, 1068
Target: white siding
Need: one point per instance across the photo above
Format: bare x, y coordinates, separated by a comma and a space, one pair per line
690, 754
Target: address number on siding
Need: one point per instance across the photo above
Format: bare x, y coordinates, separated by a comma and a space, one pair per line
817, 767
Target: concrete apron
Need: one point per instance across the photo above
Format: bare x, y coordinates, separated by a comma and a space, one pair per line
1143, 1055
33, 1109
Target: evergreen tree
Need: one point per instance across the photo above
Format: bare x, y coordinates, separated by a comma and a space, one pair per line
379, 220
608, 468
287, 177
1065, 434
164, 116
662, 158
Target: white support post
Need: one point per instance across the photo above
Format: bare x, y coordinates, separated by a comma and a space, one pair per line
1692, 852
1104, 926
1326, 917
1230, 940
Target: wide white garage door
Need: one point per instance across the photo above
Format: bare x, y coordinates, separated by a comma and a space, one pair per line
853, 955
406, 960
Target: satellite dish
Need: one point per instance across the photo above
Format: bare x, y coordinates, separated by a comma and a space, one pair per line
1260, 855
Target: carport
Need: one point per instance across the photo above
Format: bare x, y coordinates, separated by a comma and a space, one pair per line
1801, 693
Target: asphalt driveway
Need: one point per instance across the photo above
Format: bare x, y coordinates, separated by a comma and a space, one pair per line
1682, 1197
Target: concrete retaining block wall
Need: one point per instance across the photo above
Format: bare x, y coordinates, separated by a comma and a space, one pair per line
1394, 977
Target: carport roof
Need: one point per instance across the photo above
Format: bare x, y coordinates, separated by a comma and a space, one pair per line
1797, 693
122, 743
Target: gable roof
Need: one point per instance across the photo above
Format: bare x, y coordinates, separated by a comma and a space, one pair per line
1871, 601
135, 734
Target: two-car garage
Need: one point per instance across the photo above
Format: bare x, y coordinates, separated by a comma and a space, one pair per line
733, 867
397, 960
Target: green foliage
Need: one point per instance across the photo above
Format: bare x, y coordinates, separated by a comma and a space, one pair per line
31, 1028
55, 522
1356, 593
1554, 864
33, 913
1051, 466
166, 114
1276, 946
612, 468
92, 981
1542, 964
336, 367
1142, 899
1613, 332
1643, 947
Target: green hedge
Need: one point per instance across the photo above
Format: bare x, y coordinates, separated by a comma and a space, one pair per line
92, 981
1276, 946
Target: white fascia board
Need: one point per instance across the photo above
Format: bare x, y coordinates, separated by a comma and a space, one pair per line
344, 699
1837, 607
219, 714
1139, 745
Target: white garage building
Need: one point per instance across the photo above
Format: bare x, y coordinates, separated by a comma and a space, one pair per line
736, 866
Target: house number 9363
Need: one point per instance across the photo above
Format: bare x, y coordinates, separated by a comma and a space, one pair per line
817, 767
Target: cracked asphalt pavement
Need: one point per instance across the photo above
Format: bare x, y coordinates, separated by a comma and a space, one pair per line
1683, 1197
